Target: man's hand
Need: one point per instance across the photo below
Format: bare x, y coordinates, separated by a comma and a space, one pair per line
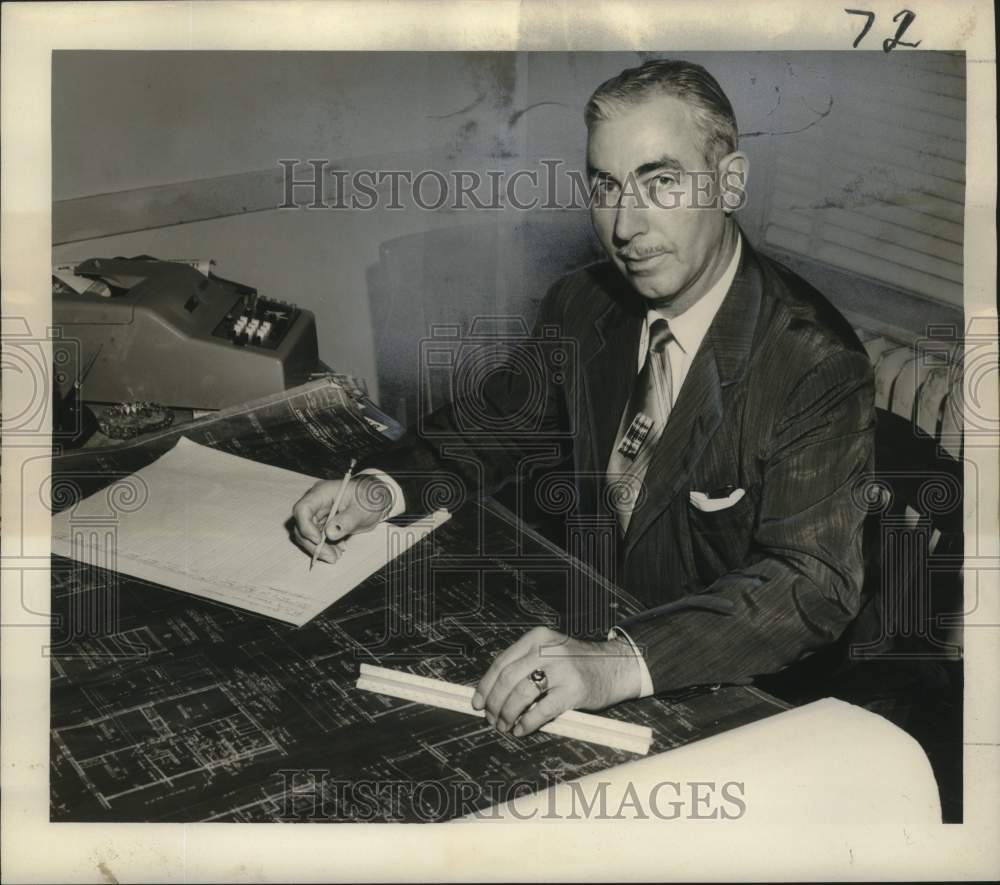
581, 675
365, 505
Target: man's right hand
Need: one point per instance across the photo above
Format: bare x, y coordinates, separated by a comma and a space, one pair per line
367, 502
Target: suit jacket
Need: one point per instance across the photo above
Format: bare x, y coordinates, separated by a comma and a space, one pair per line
778, 401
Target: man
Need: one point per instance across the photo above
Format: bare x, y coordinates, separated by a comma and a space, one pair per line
726, 406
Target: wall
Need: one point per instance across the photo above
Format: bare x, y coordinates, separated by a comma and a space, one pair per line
184, 146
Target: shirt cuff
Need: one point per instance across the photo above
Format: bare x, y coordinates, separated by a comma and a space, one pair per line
645, 679
398, 501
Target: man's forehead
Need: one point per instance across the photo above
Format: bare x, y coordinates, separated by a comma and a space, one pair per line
638, 134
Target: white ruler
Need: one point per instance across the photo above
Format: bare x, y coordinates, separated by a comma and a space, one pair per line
448, 696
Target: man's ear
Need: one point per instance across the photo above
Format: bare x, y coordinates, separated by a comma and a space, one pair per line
733, 171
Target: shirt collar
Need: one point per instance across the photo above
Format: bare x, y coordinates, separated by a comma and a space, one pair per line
690, 327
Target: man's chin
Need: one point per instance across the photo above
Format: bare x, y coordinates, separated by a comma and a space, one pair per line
654, 291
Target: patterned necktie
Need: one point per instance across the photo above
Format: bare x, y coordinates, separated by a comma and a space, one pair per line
641, 425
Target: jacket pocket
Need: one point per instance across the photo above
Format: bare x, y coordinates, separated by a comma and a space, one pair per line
720, 539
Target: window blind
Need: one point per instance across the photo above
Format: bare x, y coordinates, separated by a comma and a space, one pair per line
877, 185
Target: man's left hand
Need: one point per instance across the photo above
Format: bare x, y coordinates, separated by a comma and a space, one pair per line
580, 675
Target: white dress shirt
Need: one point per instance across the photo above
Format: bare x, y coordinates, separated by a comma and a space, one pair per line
690, 327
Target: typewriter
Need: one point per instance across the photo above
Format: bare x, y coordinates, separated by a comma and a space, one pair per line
171, 333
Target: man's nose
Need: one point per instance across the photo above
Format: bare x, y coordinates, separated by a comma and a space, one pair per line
630, 218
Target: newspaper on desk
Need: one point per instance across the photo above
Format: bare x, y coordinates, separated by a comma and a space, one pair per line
218, 526
320, 425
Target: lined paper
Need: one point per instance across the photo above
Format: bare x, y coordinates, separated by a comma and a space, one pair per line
218, 526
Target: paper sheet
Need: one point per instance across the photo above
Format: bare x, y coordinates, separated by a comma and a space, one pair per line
858, 767
218, 526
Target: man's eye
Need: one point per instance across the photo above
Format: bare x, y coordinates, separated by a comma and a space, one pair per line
665, 180
605, 193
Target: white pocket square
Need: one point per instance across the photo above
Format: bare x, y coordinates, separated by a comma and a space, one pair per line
710, 505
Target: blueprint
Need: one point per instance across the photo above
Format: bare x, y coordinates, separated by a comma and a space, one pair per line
167, 707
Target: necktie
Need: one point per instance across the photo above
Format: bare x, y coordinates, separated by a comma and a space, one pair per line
642, 424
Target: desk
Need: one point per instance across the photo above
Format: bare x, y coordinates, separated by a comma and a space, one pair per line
165, 707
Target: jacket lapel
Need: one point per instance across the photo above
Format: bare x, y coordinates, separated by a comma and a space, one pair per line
608, 372
721, 360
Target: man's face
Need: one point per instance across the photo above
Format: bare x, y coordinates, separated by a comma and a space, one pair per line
642, 162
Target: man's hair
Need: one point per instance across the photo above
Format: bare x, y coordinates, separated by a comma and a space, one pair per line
691, 83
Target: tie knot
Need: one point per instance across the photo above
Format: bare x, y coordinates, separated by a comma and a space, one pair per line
659, 335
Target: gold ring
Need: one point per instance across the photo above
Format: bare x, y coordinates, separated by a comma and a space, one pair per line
538, 679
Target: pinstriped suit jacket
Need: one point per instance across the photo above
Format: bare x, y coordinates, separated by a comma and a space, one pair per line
778, 401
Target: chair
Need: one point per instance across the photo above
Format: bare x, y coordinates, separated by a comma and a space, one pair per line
902, 656
445, 282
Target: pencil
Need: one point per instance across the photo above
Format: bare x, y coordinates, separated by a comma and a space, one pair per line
333, 512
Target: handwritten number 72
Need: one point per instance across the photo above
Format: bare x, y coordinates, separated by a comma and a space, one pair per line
904, 17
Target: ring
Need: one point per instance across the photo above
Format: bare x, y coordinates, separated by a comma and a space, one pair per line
538, 679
